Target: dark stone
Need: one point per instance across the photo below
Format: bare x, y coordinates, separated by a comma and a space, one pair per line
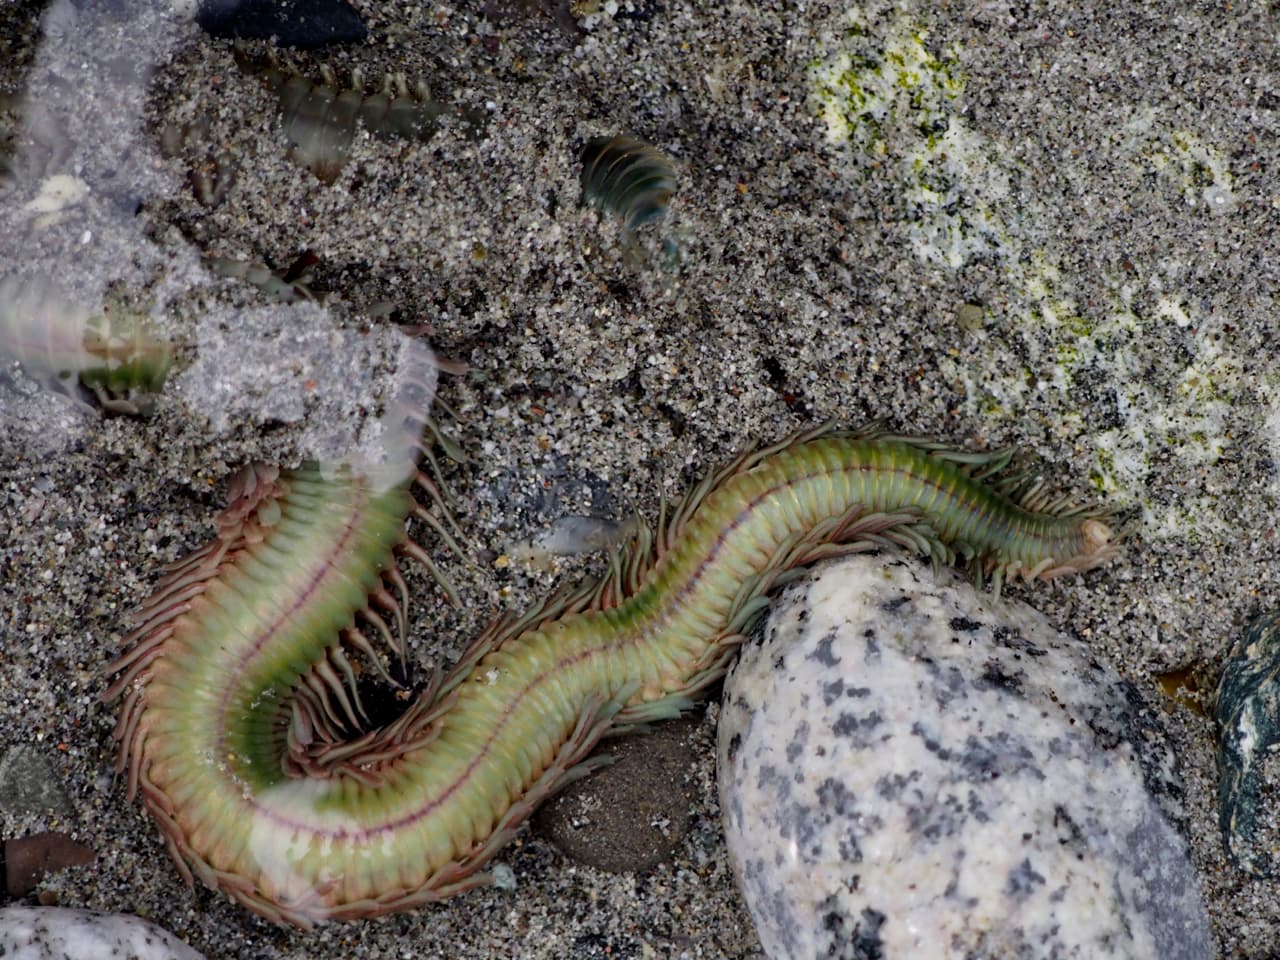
305, 24
632, 814
1248, 715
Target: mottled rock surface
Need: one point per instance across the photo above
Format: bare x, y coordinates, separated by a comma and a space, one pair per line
911, 769
57, 933
28, 783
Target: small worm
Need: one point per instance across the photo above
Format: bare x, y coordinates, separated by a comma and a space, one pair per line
631, 180
287, 286
320, 119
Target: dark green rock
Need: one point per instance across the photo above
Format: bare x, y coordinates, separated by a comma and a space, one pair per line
1248, 716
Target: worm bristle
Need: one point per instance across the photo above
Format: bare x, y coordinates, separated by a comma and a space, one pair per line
286, 286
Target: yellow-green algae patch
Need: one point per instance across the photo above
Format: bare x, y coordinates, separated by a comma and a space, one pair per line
1181, 412
860, 87
891, 100
1198, 170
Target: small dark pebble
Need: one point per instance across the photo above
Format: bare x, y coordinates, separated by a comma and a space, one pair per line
304, 24
632, 814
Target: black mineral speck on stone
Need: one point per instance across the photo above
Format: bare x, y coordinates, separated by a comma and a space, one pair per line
862, 942
831, 691
1014, 640
1023, 880
823, 652
1070, 834
835, 796
799, 740
735, 744
890, 787
867, 944
893, 606
858, 728
994, 676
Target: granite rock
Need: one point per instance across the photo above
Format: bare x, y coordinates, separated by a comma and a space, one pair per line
55, 933
910, 768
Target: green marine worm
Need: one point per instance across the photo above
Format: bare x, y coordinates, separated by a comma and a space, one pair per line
242, 726
321, 119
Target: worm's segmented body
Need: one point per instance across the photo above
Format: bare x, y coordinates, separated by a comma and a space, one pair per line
240, 698
321, 119
631, 180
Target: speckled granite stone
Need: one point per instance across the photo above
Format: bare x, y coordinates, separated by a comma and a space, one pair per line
57, 933
912, 769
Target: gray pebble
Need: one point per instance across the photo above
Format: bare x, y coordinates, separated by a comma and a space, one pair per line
29, 785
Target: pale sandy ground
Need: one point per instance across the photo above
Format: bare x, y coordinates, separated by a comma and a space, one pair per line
1054, 226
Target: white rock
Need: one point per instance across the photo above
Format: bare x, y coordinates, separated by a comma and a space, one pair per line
911, 769
58, 933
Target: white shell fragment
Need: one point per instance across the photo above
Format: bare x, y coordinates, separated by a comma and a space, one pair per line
909, 768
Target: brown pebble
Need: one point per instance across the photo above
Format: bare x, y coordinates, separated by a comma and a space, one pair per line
632, 814
28, 860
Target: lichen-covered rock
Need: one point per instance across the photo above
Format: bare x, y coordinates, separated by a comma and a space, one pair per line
1248, 715
911, 769
56, 933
